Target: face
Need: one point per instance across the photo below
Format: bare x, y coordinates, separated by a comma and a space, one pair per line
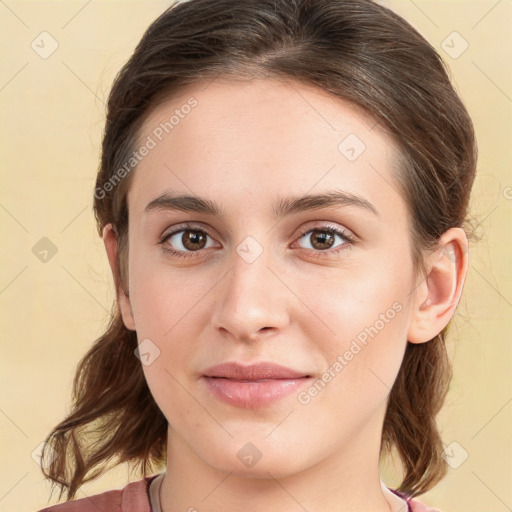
256, 276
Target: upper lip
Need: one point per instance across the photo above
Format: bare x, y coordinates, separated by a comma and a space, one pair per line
258, 371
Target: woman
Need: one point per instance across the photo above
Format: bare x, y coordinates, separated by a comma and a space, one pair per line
282, 197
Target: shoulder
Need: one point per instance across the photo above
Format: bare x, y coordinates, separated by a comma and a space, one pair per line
132, 498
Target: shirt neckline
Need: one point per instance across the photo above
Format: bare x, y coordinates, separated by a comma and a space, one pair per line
403, 497
154, 485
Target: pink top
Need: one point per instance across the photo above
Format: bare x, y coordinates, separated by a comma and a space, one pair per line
135, 498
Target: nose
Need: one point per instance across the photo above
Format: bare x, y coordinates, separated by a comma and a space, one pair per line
252, 302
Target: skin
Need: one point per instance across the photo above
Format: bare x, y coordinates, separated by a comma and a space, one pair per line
245, 146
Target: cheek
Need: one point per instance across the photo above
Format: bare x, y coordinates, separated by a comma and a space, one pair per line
164, 300
168, 390
359, 305
364, 333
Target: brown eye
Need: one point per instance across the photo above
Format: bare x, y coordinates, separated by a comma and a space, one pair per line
193, 240
188, 240
321, 239
328, 239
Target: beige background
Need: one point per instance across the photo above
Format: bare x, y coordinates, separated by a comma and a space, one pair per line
52, 119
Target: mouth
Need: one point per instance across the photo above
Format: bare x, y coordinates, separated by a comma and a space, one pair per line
253, 386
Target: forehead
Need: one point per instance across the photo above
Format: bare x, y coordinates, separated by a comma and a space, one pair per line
243, 137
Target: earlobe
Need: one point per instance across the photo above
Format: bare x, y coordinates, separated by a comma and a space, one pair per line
439, 293
109, 235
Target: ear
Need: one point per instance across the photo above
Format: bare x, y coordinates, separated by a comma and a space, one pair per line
110, 240
438, 295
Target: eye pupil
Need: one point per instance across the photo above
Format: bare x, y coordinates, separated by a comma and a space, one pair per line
321, 238
191, 239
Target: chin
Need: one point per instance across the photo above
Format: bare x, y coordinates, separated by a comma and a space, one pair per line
259, 458
265, 468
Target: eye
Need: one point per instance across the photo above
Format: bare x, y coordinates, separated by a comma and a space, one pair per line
185, 240
324, 239
321, 240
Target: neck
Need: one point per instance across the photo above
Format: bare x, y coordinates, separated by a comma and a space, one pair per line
346, 481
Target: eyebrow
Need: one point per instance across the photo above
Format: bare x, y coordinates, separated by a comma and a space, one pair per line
285, 206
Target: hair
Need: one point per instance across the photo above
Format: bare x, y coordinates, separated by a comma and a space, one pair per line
356, 50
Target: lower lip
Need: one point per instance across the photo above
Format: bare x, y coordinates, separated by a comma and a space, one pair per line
253, 394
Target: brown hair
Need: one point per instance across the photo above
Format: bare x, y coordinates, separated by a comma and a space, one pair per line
354, 49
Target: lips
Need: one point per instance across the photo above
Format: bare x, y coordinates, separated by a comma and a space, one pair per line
252, 386
257, 371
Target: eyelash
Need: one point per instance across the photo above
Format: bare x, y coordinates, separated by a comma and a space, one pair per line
349, 240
